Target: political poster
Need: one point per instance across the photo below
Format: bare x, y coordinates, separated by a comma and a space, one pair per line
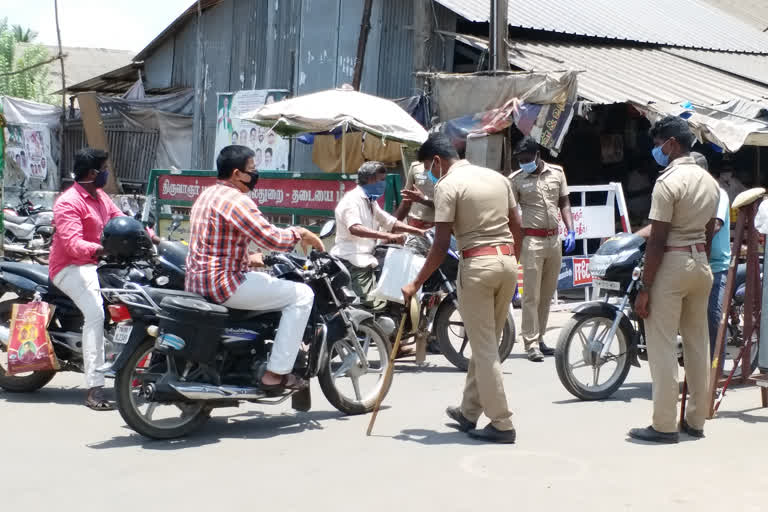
29, 149
271, 151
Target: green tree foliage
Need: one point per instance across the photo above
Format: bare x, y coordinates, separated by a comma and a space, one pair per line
31, 84
23, 35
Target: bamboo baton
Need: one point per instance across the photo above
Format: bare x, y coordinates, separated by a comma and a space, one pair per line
388, 373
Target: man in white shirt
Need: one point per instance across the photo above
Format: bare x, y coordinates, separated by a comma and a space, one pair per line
360, 223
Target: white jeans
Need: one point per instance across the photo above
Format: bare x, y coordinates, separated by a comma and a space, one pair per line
262, 292
81, 284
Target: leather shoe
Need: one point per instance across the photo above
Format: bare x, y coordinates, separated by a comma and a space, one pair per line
494, 435
547, 351
462, 424
652, 435
535, 355
693, 432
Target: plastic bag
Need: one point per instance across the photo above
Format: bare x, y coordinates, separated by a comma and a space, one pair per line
401, 266
761, 219
30, 348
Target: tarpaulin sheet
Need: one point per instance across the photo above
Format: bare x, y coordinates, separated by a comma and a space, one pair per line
462, 95
175, 145
326, 110
730, 125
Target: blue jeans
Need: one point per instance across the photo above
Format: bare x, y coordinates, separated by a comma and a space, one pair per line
715, 309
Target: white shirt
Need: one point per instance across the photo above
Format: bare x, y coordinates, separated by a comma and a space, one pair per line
355, 208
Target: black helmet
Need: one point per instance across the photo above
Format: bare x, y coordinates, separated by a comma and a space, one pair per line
125, 238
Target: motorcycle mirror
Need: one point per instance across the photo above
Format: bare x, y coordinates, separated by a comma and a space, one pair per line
328, 229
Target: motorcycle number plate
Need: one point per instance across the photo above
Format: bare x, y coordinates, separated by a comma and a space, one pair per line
123, 333
606, 285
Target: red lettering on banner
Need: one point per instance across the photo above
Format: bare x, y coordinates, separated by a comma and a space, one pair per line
270, 192
581, 273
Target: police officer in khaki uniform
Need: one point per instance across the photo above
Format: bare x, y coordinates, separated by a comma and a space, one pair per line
478, 206
418, 206
541, 190
676, 282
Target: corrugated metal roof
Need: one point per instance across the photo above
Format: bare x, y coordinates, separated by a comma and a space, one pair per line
748, 65
620, 73
754, 12
686, 23
615, 74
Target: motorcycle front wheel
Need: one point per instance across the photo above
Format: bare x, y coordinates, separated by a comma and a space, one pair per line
348, 384
580, 368
454, 343
153, 419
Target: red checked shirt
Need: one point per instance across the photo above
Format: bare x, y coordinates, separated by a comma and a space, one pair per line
223, 222
79, 219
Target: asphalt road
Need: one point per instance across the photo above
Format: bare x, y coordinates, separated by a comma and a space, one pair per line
570, 455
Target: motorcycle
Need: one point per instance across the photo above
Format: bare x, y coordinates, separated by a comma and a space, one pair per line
187, 356
28, 230
605, 339
159, 273
438, 312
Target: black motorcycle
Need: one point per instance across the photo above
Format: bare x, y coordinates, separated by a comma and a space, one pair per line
187, 356
159, 273
439, 316
603, 339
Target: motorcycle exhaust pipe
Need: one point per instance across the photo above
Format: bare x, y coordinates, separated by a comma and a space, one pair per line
197, 391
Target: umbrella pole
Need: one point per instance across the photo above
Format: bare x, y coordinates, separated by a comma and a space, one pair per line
343, 152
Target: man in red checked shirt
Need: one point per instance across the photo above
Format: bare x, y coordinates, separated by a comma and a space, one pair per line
224, 221
79, 215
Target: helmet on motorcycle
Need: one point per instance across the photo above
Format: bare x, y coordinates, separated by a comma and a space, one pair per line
125, 238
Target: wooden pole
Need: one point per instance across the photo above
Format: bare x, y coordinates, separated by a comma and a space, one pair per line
197, 122
55, 179
365, 28
422, 34
390, 371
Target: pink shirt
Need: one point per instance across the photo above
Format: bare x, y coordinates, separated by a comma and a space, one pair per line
79, 219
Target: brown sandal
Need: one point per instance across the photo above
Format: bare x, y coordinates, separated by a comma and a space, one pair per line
95, 400
287, 382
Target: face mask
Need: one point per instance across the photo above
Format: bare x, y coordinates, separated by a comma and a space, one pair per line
251, 184
100, 180
659, 156
529, 167
375, 190
432, 177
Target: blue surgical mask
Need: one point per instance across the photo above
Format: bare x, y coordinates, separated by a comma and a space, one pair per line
432, 177
659, 156
375, 190
529, 167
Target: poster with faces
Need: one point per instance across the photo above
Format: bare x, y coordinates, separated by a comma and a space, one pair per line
271, 151
29, 149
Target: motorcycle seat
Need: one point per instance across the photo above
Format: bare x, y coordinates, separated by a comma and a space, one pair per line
193, 302
14, 218
158, 294
31, 271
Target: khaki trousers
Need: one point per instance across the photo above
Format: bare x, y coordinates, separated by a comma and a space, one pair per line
678, 301
486, 286
542, 258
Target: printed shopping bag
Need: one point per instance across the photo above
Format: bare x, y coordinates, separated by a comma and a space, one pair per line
30, 347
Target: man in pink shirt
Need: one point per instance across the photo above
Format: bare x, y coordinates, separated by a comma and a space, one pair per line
79, 215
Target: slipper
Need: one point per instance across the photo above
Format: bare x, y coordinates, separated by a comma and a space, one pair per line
288, 382
95, 401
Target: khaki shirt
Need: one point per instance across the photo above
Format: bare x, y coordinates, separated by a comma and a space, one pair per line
539, 196
477, 200
419, 178
686, 196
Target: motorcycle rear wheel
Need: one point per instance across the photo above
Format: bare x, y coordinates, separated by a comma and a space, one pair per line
572, 332
344, 363
446, 327
127, 388
25, 383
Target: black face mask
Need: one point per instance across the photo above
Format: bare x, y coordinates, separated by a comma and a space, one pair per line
251, 184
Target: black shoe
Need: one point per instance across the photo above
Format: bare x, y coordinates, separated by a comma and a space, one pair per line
462, 424
547, 351
652, 435
693, 432
494, 435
